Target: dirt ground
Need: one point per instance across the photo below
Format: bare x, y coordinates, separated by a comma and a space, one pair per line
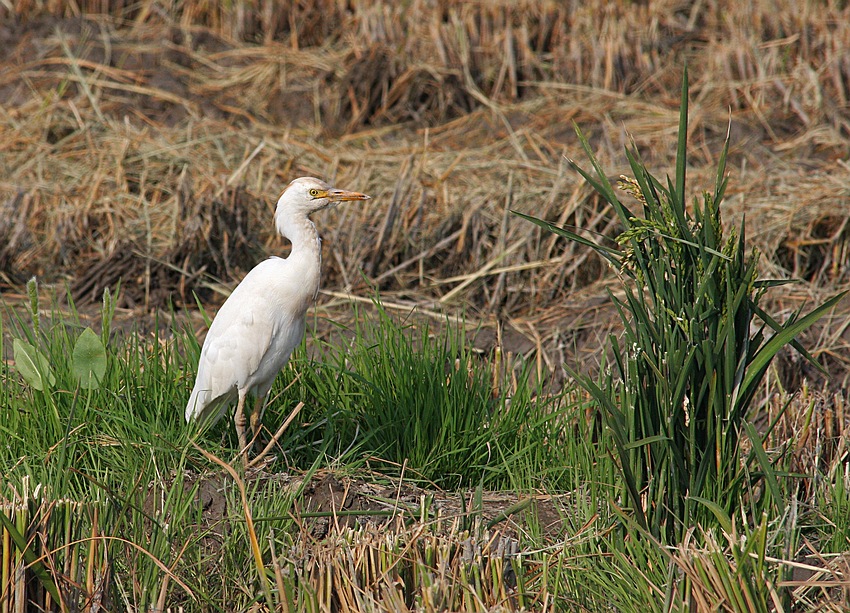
328, 502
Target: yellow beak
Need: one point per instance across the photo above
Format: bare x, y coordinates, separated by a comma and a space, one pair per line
340, 195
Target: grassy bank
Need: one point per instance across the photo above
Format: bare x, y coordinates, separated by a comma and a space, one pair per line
117, 505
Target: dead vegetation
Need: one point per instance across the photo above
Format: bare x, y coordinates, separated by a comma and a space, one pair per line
149, 142
116, 124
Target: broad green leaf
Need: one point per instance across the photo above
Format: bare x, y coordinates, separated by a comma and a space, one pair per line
33, 365
89, 364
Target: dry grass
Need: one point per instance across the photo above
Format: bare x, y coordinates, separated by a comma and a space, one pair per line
136, 132
425, 556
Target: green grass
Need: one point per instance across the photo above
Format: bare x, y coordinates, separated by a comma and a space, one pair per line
383, 395
121, 452
390, 393
404, 394
679, 398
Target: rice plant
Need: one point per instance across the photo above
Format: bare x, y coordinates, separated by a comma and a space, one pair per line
680, 396
391, 393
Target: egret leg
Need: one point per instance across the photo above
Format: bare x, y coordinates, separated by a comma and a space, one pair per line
239, 421
257, 416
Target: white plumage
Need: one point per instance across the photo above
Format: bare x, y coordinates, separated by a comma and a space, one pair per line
263, 320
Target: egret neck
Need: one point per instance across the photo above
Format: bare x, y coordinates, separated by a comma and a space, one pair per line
306, 252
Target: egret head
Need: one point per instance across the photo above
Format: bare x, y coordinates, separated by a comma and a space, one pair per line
307, 195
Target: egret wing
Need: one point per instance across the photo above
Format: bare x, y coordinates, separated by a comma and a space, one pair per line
238, 338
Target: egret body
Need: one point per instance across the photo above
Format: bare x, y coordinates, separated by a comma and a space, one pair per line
263, 320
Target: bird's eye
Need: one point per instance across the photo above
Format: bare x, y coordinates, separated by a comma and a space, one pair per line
314, 192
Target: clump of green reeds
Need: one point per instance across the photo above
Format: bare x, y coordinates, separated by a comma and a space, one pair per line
425, 402
403, 393
680, 396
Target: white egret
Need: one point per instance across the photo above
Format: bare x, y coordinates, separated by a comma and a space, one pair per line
263, 320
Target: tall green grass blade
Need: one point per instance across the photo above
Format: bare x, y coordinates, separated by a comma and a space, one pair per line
777, 327
682, 150
620, 431
769, 283
31, 558
764, 356
32, 293
767, 469
722, 179
722, 517
612, 255
202, 310
107, 312
601, 185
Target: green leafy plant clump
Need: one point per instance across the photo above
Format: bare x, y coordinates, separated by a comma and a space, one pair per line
88, 363
414, 399
679, 397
